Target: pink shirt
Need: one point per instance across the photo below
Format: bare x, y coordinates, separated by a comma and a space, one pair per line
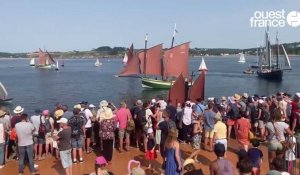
121, 117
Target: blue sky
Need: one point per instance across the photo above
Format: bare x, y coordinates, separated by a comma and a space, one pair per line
65, 25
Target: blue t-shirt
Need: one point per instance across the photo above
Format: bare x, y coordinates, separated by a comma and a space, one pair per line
255, 155
209, 121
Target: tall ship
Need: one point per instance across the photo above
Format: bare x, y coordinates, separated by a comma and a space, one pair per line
45, 61
158, 71
269, 66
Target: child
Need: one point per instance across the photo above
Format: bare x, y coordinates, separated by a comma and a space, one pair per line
150, 153
255, 155
290, 156
99, 167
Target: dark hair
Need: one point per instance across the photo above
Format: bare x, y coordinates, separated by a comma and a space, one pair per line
24, 116
244, 166
210, 105
219, 150
255, 142
199, 99
278, 164
76, 111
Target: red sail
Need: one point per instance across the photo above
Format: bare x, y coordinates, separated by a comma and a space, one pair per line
177, 61
197, 89
50, 58
177, 91
153, 64
133, 64
42, 60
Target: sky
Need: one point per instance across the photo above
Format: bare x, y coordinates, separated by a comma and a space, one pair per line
66, 25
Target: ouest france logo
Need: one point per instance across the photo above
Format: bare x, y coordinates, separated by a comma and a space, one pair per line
279, 18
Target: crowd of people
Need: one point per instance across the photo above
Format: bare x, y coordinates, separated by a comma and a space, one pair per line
158, 127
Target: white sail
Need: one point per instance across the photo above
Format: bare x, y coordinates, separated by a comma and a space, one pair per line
125, 59
3, 92
57, 67
32, 63
287, 60
97, 63
202, 65
242, 58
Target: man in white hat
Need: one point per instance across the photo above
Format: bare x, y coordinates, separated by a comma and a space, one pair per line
64, 139
17, 117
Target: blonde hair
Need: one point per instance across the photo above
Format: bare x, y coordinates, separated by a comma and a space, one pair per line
172, 137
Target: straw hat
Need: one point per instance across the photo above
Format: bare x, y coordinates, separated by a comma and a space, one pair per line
139, 103
245, 95
107, 114
237, 97
78, 106
2, 113
103, 103
63, 120
188, 161
58, 113
223, 98
18, 110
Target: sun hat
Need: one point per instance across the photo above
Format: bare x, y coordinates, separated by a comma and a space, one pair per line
237, 97
298, 94
103, 103
63, 120
153, 101
245, 95
2, 113
92, 106
223, 98
18, 110
107, 114
45, 112
188, 161
149, 131
78, 106
139, 103
58, 113
100, 161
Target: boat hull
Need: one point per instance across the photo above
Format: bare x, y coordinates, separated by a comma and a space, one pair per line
9, 100
272, 75
45, 66
156, 84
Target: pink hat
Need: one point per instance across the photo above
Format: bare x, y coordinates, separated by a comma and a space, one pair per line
46, 112
101, 161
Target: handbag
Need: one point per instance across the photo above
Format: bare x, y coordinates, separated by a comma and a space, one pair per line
285, 145
251, 135
130, 125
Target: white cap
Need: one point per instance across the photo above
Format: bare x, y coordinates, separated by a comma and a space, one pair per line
63, 120
298, 94
92, 106
149, 131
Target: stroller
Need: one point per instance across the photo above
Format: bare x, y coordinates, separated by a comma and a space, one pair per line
136, 170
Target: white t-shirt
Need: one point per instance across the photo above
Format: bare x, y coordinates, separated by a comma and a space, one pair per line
280, 127
24, 133
187, 115
88, 114
148, 113
35, 120
290, 152
1, 133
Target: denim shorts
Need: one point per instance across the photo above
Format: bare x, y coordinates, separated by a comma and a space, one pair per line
77, 142
65, 157
38, 140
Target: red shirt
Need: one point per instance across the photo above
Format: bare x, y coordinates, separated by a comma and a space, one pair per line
295, 109
122, 118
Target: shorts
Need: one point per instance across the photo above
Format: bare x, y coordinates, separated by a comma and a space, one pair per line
222, 141
38, 140
209, 133
231, 122
65, 157
197, 141
122, 133
274, 146
261, 124
88, 132
48, 138
77, 142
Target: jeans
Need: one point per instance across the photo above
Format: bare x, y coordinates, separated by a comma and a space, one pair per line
22, 152
2, 153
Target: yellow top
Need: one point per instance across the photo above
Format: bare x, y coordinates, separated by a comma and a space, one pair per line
220, 130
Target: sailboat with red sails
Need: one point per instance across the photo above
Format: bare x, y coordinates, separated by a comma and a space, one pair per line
45, 61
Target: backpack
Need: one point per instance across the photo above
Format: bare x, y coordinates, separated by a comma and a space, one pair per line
265, 115
75, 133
234, 112
141, 117
254, 112
42, 128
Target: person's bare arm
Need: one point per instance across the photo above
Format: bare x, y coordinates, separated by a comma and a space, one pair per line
177, 155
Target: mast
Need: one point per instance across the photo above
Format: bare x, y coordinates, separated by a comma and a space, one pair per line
145, 53
268, 49
174, 33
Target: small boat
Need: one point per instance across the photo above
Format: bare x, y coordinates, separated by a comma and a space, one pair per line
249, 71
125, 59
46, 61
242, 58
4, 95
97, 63
202, 66
57, 67
31, 63
62, 63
